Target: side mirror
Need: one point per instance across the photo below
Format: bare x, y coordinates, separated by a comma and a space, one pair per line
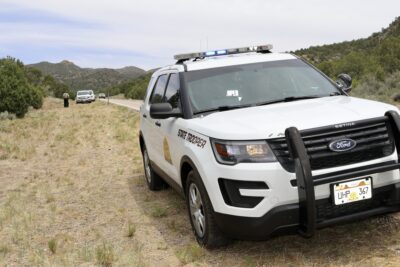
344, 82
163, 111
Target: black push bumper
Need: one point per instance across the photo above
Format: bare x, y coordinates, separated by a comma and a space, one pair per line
311, 214
286, 219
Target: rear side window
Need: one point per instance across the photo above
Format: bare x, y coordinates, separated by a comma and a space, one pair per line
158, 92
172, 92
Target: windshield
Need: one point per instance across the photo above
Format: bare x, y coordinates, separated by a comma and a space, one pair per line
83, 93
252, 84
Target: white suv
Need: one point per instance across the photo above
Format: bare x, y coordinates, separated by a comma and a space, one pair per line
261, 143
84, 96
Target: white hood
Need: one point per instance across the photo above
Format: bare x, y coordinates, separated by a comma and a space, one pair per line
270, 121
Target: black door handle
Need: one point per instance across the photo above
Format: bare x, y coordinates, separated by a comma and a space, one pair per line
158, 123
144, 115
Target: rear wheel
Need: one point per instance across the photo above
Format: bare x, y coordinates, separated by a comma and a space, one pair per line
201, 214
154, 182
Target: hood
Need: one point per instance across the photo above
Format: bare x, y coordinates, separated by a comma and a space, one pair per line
270, 121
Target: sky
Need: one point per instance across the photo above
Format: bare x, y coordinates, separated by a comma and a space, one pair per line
146, 34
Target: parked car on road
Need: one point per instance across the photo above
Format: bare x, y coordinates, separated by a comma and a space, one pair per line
92, 96
102, 95
261, 143
84, 96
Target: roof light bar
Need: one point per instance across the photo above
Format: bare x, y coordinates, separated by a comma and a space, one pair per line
221, 52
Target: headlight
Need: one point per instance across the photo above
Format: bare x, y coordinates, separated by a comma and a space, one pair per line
233, 152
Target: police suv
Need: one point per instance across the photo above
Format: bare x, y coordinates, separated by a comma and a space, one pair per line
263, 143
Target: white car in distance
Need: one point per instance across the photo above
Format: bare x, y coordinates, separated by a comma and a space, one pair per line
84, 96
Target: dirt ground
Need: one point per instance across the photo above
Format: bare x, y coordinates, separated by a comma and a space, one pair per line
72, 193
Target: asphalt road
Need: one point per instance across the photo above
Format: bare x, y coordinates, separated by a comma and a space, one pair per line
129, 103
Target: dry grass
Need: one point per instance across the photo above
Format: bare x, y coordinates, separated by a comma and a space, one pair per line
131, 230
52, 245
64, 192
191, 253
72, 192
105, 255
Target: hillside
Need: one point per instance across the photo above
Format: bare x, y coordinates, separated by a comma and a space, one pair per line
87, 78
134, 89
373, 62
370, 45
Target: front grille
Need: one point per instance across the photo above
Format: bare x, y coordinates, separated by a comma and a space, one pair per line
374, 140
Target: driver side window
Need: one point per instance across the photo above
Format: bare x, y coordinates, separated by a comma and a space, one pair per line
159, 89
166, 95
172, 93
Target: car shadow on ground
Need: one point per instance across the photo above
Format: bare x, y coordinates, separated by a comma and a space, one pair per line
374, 240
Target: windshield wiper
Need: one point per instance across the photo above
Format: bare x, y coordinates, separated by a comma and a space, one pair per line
289, 99
222, 108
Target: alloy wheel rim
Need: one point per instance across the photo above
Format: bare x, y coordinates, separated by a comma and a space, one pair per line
197, 210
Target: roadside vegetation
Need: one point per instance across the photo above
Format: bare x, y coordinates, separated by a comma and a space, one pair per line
23, 87
373, 62
135, 89
17, 93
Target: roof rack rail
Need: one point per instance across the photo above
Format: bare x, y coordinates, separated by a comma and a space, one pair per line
222, 52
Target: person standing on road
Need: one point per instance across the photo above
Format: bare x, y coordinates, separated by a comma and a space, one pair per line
66, 100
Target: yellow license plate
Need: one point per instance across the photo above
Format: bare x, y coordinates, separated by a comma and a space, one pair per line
352, 191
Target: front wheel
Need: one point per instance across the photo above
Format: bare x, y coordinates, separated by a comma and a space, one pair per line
201, 214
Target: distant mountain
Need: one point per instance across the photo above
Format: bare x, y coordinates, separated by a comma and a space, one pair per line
88, 78
130, 72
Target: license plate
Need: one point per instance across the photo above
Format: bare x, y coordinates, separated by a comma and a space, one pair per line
352, 191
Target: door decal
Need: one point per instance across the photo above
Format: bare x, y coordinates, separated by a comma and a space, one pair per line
167, 153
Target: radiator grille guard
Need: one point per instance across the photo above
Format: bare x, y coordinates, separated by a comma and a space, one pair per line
374, 140
303, 151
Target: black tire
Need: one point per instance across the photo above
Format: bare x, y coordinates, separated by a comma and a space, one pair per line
210, 236
154, 182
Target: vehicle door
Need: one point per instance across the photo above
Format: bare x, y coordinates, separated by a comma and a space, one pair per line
169, 129
153, 132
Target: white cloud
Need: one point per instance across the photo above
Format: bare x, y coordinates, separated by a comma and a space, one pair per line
162, 28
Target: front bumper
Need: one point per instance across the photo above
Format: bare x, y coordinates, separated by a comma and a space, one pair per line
306, 181
287, 219
83, 100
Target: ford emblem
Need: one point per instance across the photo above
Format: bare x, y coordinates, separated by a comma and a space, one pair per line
342, 145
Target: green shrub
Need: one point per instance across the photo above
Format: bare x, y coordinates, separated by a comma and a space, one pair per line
15, 90
373, 88
22, 87
37, 95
